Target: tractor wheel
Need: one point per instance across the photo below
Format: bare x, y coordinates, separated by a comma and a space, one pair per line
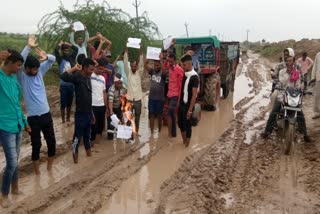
211, 92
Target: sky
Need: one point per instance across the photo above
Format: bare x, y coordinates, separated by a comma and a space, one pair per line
273, 20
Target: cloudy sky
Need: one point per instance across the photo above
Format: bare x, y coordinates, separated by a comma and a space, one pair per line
273, 20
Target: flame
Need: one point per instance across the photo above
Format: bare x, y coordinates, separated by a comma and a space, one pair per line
126, 107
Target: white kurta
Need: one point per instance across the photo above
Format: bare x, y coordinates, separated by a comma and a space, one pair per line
316, 76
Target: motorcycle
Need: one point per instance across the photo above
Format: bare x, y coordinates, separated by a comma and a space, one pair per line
291, 104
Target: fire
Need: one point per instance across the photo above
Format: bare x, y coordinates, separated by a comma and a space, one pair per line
127, 113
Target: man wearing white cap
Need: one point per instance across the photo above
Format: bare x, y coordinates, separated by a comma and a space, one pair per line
116, 91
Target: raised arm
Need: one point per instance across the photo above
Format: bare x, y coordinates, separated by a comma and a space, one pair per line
141, 63
57, 53
115, 64
86, 37
91, 39
46, 59
32, 43
126, 61
99, 50
72, 38
108, 48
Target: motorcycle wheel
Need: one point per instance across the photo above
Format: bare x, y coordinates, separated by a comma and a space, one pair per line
288, 137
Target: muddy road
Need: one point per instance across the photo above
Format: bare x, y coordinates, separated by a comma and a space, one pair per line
242, 173
226, 169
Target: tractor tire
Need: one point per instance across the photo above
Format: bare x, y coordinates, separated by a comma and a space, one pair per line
211, 92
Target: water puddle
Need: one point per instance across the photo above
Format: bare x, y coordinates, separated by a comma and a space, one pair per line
139, 194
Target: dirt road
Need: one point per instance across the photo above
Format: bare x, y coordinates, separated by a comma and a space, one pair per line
241, 173
227, 169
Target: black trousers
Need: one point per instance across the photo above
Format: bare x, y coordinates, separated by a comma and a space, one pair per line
184, 124
97, 128
44, 124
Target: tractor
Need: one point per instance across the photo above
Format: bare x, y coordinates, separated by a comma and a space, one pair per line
217, 64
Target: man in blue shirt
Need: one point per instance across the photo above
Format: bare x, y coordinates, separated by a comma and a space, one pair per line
35, 98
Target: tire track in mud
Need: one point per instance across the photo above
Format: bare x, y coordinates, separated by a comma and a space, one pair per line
86, 193
201, 180
235, 177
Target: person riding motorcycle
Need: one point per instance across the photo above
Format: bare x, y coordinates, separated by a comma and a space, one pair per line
282, 65
290, 76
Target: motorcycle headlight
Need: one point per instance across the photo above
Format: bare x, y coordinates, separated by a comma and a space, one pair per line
293, 101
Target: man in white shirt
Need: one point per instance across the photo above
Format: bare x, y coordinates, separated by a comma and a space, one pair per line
134, 73
99, 99
81, 43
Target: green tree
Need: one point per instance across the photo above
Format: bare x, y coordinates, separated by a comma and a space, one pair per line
113, 23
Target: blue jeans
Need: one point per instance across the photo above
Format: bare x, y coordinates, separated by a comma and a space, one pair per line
11, 147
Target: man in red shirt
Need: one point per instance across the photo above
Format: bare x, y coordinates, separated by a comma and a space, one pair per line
176, 74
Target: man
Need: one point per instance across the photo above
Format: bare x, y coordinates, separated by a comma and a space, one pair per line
194, 51
306, 63
165, 62
118, 64
156, 94
316, 78
81, 44
84, 117
282, 65
175, 80
114, 101
110, 72
36, 102
288, 77
134, 74
188, 96
96, 49
99, 99
66, 60
12, 122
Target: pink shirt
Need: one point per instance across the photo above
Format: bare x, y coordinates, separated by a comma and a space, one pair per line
175, 80
93, 53
305, 65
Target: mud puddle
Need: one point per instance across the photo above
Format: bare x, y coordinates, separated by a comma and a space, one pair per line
139, 194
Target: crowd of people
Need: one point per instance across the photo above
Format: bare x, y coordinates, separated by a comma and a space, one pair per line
99, 87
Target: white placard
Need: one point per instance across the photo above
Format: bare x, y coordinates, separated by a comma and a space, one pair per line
115, 121
134, 43
153, 53
78, 26
167, 42
124, 132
